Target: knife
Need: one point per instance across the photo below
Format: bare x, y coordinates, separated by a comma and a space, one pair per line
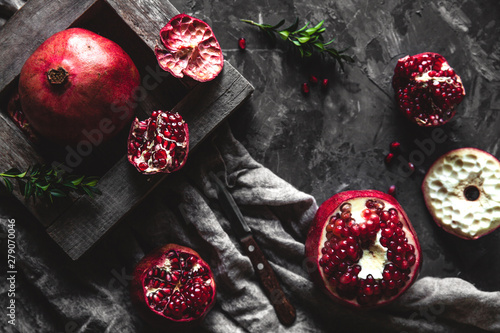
265, 273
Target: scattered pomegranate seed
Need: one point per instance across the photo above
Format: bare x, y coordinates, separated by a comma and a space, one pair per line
242, 43
388, 158
395, 147
324, 84
313, 79
391, 190
305, 88
411, 166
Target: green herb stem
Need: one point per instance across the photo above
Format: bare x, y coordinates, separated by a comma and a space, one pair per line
306, 39
42, 181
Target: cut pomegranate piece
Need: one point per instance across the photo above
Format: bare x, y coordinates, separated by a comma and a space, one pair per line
462, 192
364, 247
159, 143
173, 287
427, 89
189, 48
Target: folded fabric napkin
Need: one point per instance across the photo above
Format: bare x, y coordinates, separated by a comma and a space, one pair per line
55, 294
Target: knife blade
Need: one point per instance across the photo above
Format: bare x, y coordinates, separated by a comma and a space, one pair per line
265, 273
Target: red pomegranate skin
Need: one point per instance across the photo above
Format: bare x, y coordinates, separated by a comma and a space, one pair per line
313, 246
95, 96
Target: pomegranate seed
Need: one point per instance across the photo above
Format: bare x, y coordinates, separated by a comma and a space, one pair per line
324, 84
305, 88
411, 167
313, 79
395, 147
388, 158
242, 43
391, 190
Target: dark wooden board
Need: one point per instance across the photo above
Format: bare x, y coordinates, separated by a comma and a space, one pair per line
77, 223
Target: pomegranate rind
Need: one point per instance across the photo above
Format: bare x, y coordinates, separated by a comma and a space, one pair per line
146, 141
138, 292
435, 107
96, 96
443, 189
189, 48
316, 236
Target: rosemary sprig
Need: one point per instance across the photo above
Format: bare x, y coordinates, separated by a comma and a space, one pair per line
306, 39
42, 181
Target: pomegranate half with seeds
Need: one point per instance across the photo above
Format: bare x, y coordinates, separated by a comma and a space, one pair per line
427, 89
364, 248
173, 287
462, 192
159, 143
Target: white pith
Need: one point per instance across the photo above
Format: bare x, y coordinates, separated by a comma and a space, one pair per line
444, 187
374, 258
153, 146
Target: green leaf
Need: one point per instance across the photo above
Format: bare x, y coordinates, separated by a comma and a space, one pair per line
284, 34
319, 46
28, 190
57, 193
77, 181
296, 42
294, 26
88, 192
315, 29
91, 181
14, 172
303, 28
303, 40
8, 184
279, 24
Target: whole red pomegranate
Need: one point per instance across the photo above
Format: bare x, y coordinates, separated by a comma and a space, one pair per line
364, 248
427, 89
77, 85
173, 288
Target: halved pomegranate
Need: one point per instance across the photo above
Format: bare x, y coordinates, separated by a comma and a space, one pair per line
427, 89
189, 48
364, 248
159, 143
173, 287
462, 192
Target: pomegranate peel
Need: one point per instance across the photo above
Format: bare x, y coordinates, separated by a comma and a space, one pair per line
73, 84
189, 47
427, 89
173, 288
159, 144
364, 249
462, 192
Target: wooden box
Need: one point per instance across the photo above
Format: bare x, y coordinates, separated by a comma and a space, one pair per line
76, 223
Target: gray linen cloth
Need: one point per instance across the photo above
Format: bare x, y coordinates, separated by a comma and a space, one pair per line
55, 294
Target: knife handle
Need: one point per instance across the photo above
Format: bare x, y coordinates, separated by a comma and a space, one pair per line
284, 309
